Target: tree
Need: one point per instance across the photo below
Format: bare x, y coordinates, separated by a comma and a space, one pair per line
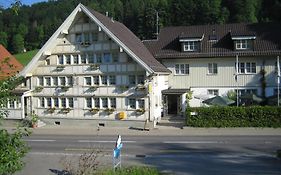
4, 39
12, 147
18, 43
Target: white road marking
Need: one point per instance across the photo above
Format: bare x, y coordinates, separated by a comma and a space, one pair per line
195, 142
103, 141
33, 140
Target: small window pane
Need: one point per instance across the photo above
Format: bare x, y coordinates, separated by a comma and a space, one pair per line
56, 102
70, 102
104, 102
49, 102
97, 102
48, 81
106, 57
115, 57
55, 81
62, 81
132, 79
89, 102
60, 59
78, 38
68, 59
63, 102
112, 79
88, 81
75, 59
83, 58
113, 102
98, 57
96, 80
141, 103
132, 103
104, 80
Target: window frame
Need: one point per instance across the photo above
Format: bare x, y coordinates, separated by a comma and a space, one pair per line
212, 68
182, 69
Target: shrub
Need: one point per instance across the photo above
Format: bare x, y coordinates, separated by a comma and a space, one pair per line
254, 116
134, 170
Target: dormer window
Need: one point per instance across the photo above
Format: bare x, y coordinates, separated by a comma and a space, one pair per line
190, 46
190, 43
242, 42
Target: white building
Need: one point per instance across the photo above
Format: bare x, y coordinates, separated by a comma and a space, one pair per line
93, 69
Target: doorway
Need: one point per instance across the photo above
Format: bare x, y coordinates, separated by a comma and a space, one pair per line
173, 104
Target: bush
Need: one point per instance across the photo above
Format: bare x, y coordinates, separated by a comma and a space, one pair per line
254, 116
134, 170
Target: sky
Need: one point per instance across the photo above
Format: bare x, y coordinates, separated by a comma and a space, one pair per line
7, 3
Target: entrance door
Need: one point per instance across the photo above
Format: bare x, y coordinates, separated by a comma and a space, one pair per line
173, 104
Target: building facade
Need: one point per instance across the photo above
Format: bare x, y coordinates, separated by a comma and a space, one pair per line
93, 68
212, 60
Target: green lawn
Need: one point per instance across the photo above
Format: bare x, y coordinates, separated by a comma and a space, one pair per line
24, 58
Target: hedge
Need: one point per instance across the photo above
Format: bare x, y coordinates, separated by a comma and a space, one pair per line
254, 116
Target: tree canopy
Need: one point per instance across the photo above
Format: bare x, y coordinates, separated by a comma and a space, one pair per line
36, 23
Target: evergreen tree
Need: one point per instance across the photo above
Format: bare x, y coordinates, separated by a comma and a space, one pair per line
18, 43
4, 39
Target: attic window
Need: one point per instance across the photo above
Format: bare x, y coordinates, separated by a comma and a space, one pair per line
242, 44
190, 46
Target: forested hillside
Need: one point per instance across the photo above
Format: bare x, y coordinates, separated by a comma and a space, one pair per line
34, 25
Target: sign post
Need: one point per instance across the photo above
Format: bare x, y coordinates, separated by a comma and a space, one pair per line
116, 158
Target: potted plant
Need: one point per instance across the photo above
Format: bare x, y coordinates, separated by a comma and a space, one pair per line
109, 110
65, 110
94, 110
51, 110
140, 87
38, 89
94, 66
140, 111
123, 87
60, 68
64, 88
34, 119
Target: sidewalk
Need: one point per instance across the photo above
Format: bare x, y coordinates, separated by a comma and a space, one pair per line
159, 131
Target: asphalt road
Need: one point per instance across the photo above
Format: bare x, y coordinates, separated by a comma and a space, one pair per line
172, 154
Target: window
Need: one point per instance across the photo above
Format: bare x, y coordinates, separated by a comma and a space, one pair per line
97, 102
62, 81
248, 67
132, 103
115, 57
48, 81
78, 38
75, 59
83, 58
56, 102
42, 102
40, 81
98, 57
112, 102
104, 80
96, 80
47, 62
247, 91
141, 103
11, 104
70, 102
112, 79
91, 58
181, 69
213, 92
132, 79
94, 37
89, 102
242, 44
63, 102
60, 59
212, 68
104, 102
87, 37
49, 102
88, 81
190, 46
69, 81
140, 79
67, 59
55, 81
106, 58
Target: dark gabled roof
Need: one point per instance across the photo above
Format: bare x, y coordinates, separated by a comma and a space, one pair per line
267, 42
9, 65
130, 40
